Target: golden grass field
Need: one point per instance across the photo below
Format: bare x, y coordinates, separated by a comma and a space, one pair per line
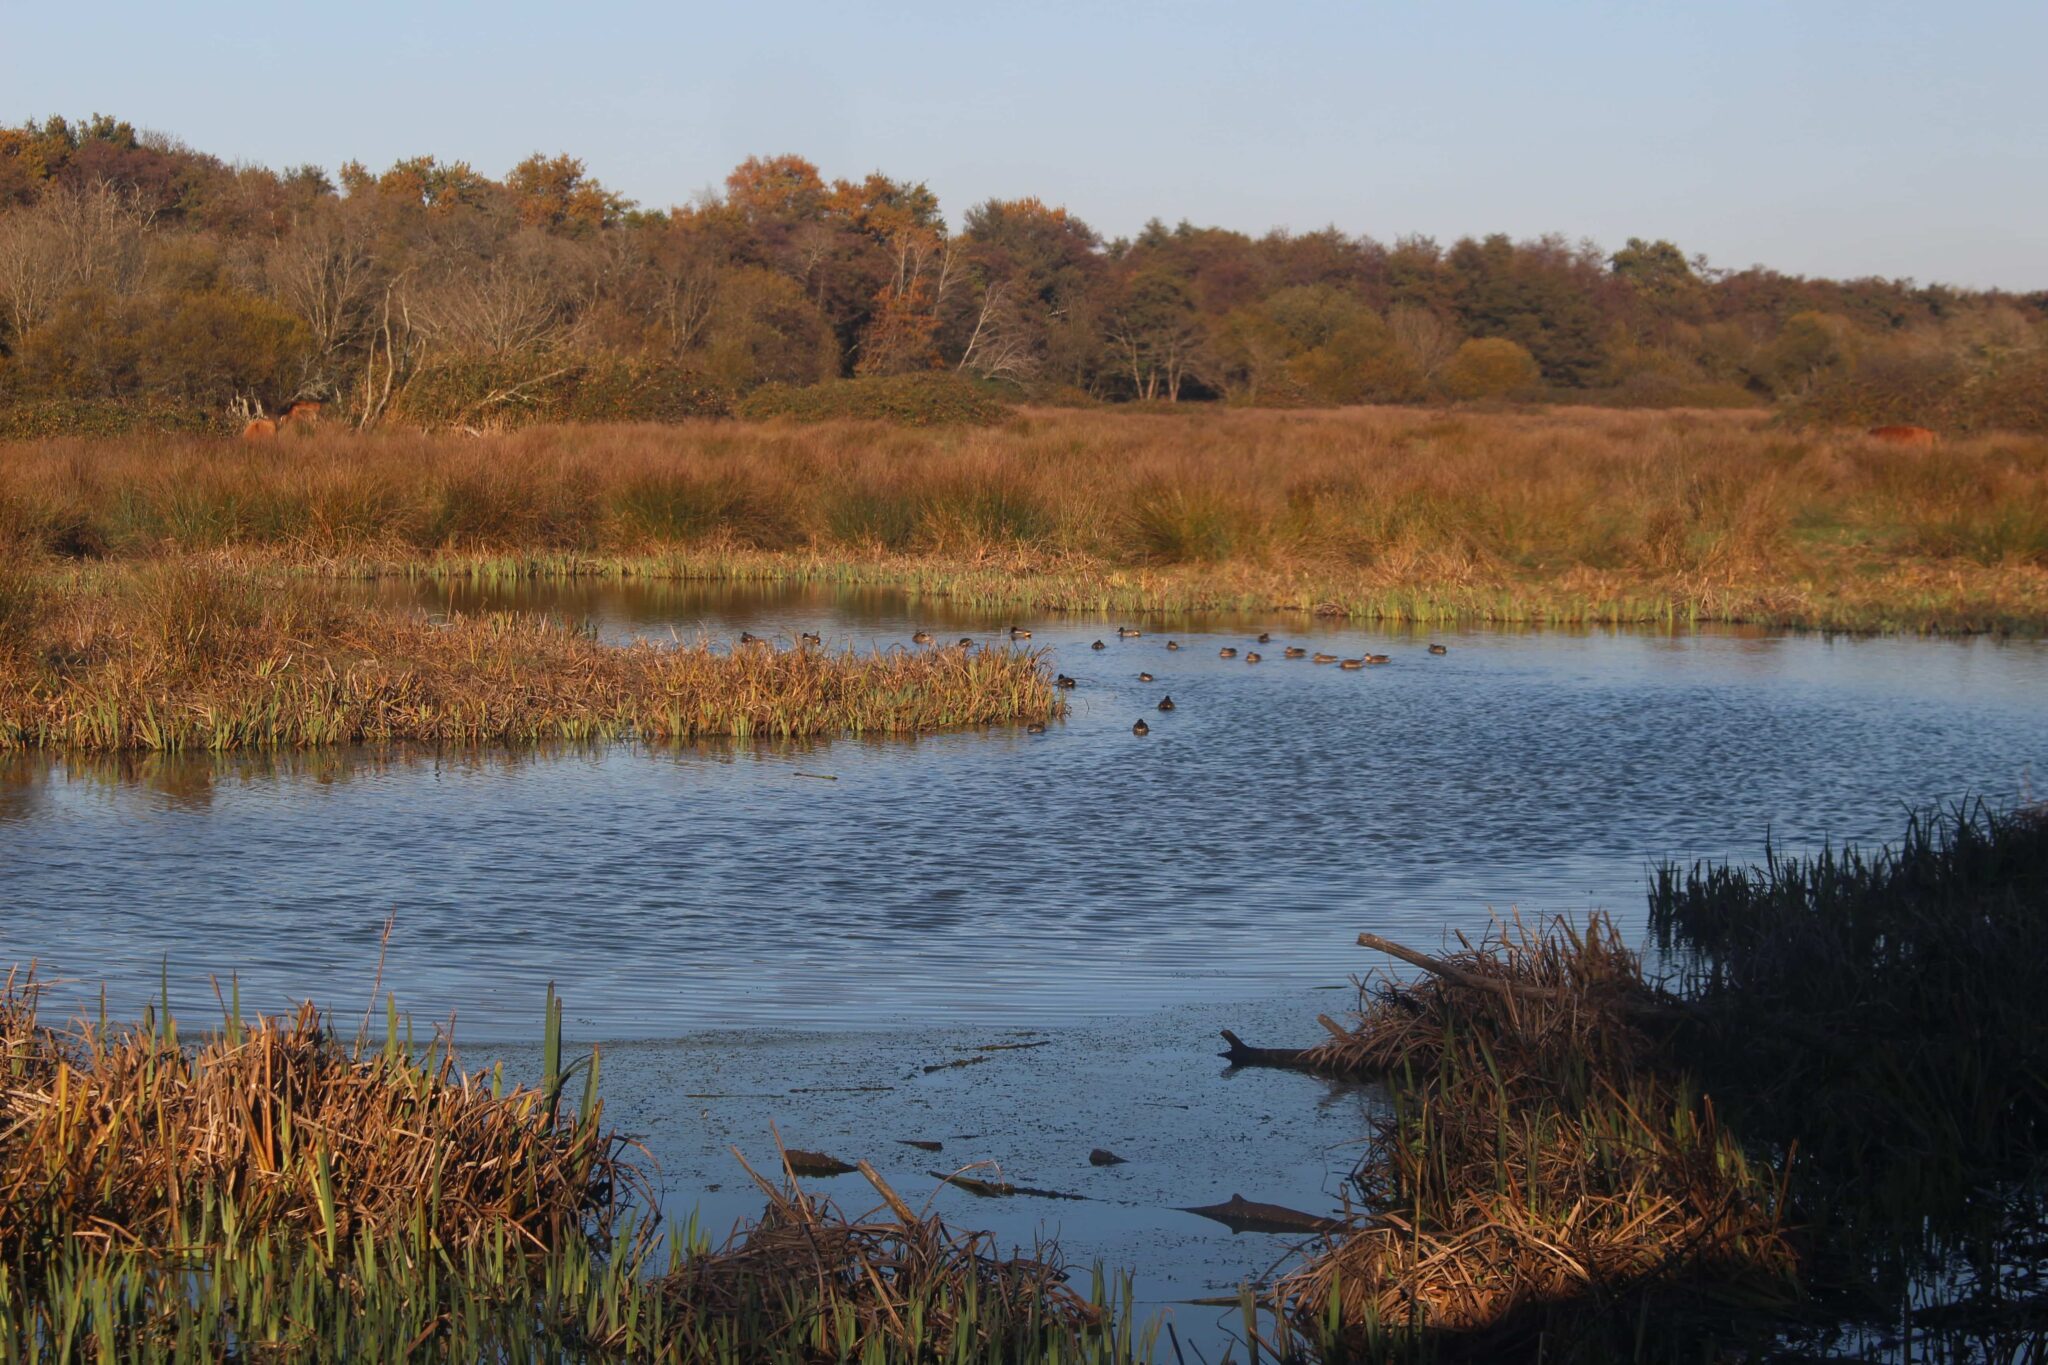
1394, 514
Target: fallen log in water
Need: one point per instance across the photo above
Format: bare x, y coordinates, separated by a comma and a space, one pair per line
1240, 1214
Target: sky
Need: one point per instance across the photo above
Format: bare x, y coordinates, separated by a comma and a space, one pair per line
1820, 138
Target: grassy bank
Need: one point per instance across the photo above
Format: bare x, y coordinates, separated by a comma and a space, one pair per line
1569, 515
186, 654
1817, 1134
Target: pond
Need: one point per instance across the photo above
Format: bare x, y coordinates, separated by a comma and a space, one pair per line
793, 933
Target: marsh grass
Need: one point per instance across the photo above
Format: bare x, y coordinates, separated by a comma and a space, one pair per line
1540, 1156
1882, 1011
270, 1192
1816, 1132
187, 654
1570, 514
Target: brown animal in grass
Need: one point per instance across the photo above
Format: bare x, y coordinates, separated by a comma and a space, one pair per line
304, 413
1903, 435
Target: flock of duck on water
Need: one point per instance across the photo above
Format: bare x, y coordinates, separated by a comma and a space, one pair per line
1251, 656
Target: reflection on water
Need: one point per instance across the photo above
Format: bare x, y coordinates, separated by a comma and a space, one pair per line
1001, 876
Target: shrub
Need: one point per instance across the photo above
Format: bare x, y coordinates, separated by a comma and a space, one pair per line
928, 399
38, 418
1490, 367
624, 391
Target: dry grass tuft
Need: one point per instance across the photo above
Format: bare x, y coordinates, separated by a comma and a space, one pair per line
124, 1138
892, 1283
1539, 1155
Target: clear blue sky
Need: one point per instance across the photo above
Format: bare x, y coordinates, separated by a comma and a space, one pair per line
1820, 137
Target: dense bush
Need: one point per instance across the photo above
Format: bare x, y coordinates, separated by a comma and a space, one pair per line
1492, 367
493, 393
33, 419
915, 400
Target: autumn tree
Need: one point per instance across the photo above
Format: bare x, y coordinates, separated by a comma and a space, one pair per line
1490, 367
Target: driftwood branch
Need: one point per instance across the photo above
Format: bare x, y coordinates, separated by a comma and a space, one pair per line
1504, 986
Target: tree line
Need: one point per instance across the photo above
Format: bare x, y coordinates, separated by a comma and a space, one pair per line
137, 271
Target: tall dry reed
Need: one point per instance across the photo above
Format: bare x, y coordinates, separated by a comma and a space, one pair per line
1586, 513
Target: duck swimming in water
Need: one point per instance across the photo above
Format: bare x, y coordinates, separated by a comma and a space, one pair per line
812, 639
1166, 703
1173, 644
923, 637
1294, 652
1438, 649
1252, 657
1063, 681
1019, 633
1325, 659
1226, 653
1128, 633
1036, 727
966, 643
1098, 645
749, 638
1376, 658
1352, 663
1265, 639
1141, 728
1144, 677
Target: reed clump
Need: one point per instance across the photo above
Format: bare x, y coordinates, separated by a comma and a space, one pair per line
809, 1282
270, 1192
1540, 1156
120, 1136
1881, 1012
1592, 515
188, 654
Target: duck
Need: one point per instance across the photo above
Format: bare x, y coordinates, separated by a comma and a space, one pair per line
922, 637
1226, 653
1098, 645
1036, 727
1265, 639
1019, 633
747, 637
1438, 649
966, 643
1173, 644
812, 638
1376, 658
1252, 657
1351, 663
1128, 632
1141, 728
1325, 659
1166, 703
1063, 681
1294, 652
1144, 677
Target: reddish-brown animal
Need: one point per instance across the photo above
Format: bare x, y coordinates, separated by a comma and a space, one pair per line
1903, 435
304, 412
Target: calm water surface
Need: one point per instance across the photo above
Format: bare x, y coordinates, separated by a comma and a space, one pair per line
997, 877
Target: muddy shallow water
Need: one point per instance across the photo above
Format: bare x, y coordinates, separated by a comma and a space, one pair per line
746, 921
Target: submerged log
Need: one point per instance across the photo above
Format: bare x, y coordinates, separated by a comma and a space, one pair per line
1241, 1053
999, 1189
1240, 1214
